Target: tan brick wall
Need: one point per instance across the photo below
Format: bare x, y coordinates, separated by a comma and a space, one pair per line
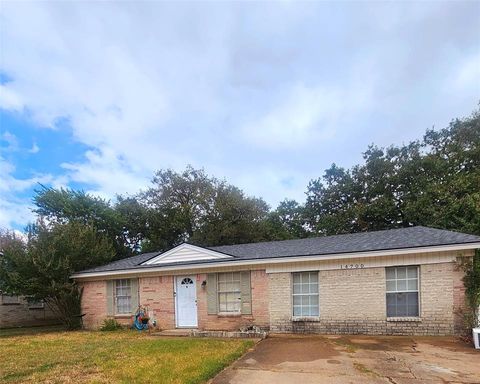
436, 297
353, 301
21, 315
459, 302
352, 294
280, 299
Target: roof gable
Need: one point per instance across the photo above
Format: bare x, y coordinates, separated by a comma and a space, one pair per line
186, 253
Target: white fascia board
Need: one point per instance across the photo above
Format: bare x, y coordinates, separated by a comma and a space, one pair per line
277, 260
213, 254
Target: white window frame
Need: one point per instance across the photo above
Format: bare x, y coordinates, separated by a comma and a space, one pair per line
309, 294
236, 305
406, 290
117, 285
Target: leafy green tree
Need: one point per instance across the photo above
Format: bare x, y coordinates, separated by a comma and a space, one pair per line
332, 203
177, 204
471, 281
192, 206
8, 238
449, 191
287, 221
133, 219
433, 182
119, 223
41, 268
233, 218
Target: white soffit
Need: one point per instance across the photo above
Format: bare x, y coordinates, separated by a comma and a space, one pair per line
184, 253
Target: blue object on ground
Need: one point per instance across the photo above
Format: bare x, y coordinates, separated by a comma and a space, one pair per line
137, 323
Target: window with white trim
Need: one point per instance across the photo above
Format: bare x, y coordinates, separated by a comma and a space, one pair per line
402, 291
305, 294
123, 296
229, 292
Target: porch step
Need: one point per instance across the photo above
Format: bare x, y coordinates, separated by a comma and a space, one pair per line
231, 334
173, 332
223, 334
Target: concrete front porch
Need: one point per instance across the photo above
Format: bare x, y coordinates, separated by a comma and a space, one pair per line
184, 332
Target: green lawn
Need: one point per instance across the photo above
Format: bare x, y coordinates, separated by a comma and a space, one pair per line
52, 356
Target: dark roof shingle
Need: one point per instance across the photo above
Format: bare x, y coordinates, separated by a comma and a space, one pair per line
412, 237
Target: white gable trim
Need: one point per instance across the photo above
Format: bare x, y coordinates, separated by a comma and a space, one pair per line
186, 252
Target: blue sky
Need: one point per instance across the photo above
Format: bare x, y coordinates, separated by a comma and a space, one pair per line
267, 95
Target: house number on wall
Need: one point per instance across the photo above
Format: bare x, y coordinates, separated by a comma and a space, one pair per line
352, 266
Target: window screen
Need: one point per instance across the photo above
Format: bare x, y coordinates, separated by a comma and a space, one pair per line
305, 294
123, 296
229, 292
402, 291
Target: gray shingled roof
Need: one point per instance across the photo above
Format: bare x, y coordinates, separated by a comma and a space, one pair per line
412, 237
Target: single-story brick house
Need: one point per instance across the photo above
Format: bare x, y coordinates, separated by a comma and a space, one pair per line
17, 311
400, 281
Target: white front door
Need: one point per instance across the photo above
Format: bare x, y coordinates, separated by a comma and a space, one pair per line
186, 303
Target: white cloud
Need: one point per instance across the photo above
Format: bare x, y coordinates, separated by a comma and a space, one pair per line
294, 121
255, 93
468, 74
306, 115
11, 142
9, 99
118, 87
14, 213
35, 148
15, 210
109, 173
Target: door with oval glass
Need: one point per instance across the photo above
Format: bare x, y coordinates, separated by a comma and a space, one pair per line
186, 302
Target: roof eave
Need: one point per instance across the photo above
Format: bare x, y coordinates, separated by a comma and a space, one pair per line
276, 260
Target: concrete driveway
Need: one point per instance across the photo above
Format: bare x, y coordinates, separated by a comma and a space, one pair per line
355, 359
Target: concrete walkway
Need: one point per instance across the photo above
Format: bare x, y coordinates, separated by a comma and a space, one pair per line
355, 359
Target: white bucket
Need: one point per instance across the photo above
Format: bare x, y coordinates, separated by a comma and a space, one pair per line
476, 337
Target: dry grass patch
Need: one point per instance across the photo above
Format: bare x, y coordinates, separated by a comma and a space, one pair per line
345, 343
113, 357
362, 368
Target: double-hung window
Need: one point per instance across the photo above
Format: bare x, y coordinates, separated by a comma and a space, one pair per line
229, 292
123, 296
402, 291
305, 294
